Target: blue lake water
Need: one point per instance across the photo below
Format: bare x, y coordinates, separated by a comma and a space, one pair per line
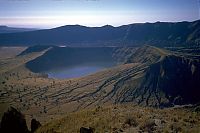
77, 71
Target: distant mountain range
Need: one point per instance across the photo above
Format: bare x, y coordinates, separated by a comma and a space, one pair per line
6, 29
158, 34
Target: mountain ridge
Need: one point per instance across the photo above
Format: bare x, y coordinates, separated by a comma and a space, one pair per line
159, 34
7, 29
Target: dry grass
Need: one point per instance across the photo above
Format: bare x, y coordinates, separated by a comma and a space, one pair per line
126, 118
8, 52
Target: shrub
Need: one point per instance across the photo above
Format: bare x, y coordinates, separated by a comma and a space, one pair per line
148, 126
175, 127
131, 121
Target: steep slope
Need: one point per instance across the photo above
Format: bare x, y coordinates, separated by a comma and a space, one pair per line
60, 57
148, 75
172, 80
159, 34
168, 79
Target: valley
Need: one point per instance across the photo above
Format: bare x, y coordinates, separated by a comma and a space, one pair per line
142, 77
100, 66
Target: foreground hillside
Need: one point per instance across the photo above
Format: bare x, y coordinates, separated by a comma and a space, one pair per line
127, 118
157, 34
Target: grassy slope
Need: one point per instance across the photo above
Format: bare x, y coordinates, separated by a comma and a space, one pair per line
127, 118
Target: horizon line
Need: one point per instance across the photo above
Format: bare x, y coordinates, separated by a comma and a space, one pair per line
52, 27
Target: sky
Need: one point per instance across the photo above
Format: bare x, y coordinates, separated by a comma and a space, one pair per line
54, 13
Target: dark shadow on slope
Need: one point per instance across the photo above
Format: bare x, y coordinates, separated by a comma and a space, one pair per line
36, 48
168, 80
59, 57
13, 122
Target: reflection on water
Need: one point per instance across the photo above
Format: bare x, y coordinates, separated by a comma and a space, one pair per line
77, 71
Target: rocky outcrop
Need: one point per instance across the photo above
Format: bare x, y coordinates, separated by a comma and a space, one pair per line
86, 130
34, 125
13, 122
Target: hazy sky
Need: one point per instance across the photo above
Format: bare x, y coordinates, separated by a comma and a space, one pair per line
53, 13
